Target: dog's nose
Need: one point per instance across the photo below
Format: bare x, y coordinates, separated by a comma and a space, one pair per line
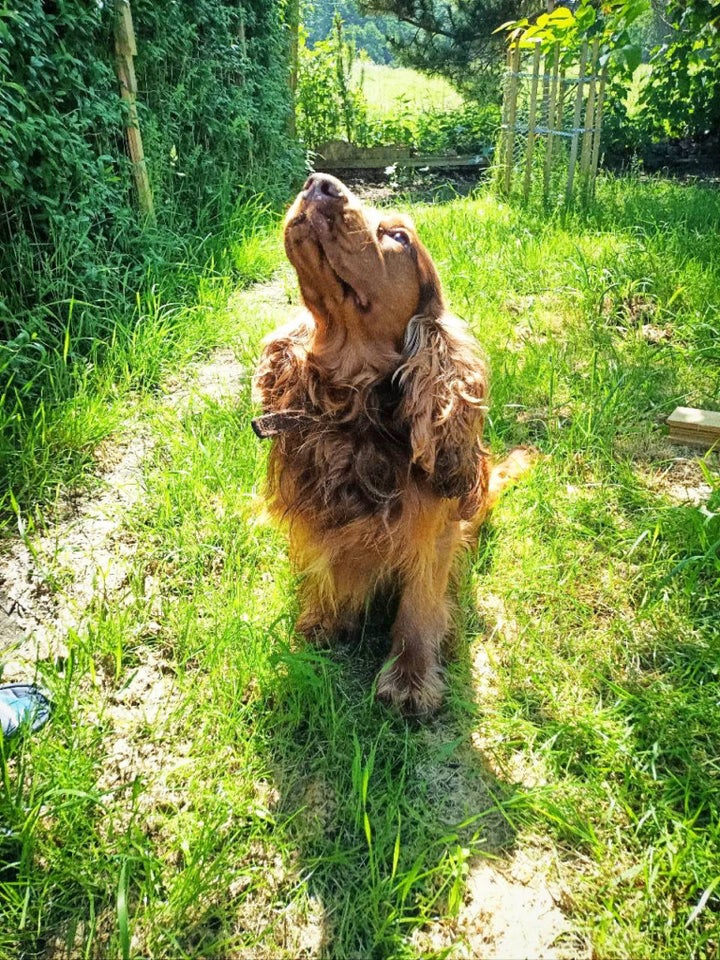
321, 187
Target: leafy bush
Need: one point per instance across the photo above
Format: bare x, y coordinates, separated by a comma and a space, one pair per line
214, 105
329, 103
682, 97
470, 128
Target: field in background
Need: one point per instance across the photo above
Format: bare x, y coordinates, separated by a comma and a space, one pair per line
390, 90
210, 786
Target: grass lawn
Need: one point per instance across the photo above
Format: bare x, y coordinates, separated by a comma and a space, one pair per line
390, 90
210, 786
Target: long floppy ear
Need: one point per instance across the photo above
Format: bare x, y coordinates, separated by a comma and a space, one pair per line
279, 383
444, 391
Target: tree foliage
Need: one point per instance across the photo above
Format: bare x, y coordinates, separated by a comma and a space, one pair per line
369, 34
454, 38
682, 95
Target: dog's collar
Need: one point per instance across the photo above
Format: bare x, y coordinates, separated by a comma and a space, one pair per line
274, 424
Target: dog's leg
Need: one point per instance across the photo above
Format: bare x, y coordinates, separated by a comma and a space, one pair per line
411, 678
333, 602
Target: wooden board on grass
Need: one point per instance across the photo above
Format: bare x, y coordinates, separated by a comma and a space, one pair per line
698, 427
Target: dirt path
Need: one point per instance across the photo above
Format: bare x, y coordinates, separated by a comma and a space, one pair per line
47, 582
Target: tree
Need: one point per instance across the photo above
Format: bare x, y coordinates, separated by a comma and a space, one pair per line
682, 96
454, 38
369, 34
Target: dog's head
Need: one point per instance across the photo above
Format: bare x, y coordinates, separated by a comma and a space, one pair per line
360, 269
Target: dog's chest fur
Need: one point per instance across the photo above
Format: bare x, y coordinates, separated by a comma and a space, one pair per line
350, 460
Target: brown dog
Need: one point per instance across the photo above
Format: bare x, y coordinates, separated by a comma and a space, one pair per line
375, 401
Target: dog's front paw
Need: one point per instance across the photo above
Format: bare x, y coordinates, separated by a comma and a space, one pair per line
413, 691
322, 630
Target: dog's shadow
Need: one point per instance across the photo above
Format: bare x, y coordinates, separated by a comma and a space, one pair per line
386, 814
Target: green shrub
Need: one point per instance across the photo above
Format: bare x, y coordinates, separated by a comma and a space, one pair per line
214, 108
470, 128
682, 97
329, 103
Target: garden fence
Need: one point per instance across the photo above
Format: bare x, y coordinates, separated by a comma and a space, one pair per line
551, 121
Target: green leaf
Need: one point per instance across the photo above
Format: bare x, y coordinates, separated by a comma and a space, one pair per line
561, 15
631, 55
122, 912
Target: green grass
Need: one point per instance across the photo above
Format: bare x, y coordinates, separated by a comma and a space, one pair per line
266, 804
67, 380
392, 89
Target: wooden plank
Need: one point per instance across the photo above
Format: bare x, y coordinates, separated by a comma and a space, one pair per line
694, 426
531, 121
695, 418
360, 162
693, 440
125, 50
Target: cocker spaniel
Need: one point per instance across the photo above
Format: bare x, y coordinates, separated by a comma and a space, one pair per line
375, 399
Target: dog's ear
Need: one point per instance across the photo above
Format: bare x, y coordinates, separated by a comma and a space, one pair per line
278, 383
431, 298
444, 388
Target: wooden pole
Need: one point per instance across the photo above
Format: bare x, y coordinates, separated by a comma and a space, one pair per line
576, 121
293, 17
125, 50
597, 124
586, 150
551, 119
531, 121
511, 115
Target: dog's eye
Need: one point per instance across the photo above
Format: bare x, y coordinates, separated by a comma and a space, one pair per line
399, 236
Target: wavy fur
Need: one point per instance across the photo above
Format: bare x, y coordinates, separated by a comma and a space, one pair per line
387, 471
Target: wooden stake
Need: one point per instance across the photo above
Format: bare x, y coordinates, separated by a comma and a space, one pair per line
531, 121
511, 115
551, 119
576, 121
597, 124
125, 50
293, 19
560, 103
586, 151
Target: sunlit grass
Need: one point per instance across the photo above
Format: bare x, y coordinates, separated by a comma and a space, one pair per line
388, 89
268, 805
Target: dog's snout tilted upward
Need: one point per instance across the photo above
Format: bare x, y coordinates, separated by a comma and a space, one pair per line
321, 188
377, 396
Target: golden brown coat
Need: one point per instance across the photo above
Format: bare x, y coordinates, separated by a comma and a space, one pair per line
376, 465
